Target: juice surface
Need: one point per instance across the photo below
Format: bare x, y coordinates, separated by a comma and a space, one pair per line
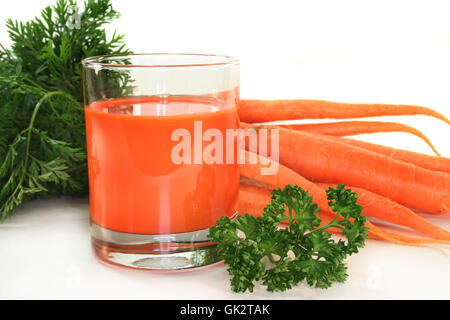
135, 187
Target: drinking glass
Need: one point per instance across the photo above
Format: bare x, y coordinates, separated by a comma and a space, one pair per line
161, 156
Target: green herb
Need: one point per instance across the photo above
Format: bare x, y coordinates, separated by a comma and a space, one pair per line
42, 134
257, 249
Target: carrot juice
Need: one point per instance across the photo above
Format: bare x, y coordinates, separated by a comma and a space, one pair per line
136, 187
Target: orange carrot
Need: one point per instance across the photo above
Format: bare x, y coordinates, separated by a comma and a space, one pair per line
283, 177
406, 239
274, 110
319, 158
382, 208
350, 128
253, 200
419, 159
377, 233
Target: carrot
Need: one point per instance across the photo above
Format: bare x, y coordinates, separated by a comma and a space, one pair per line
350, 128
419, 159
274, 110
319, 158
406, 239
377, 233
382, 208
253, 200
283, 177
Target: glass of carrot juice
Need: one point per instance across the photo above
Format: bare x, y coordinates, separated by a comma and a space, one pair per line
161, 156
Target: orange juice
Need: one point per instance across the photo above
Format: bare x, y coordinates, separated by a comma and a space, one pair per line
135, 187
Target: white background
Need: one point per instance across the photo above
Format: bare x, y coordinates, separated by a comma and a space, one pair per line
352, 51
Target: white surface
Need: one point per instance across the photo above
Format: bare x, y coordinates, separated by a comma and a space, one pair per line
383, 51
45, 253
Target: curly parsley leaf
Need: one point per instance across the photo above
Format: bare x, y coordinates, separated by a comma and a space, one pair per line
257, 249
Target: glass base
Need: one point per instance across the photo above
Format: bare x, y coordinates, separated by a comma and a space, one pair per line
176, 251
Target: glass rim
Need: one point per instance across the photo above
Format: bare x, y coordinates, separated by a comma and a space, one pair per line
96, 61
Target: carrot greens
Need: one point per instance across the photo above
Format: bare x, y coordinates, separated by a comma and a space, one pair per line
42, 133
256, 249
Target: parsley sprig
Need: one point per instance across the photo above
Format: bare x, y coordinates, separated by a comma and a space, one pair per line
256, 249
